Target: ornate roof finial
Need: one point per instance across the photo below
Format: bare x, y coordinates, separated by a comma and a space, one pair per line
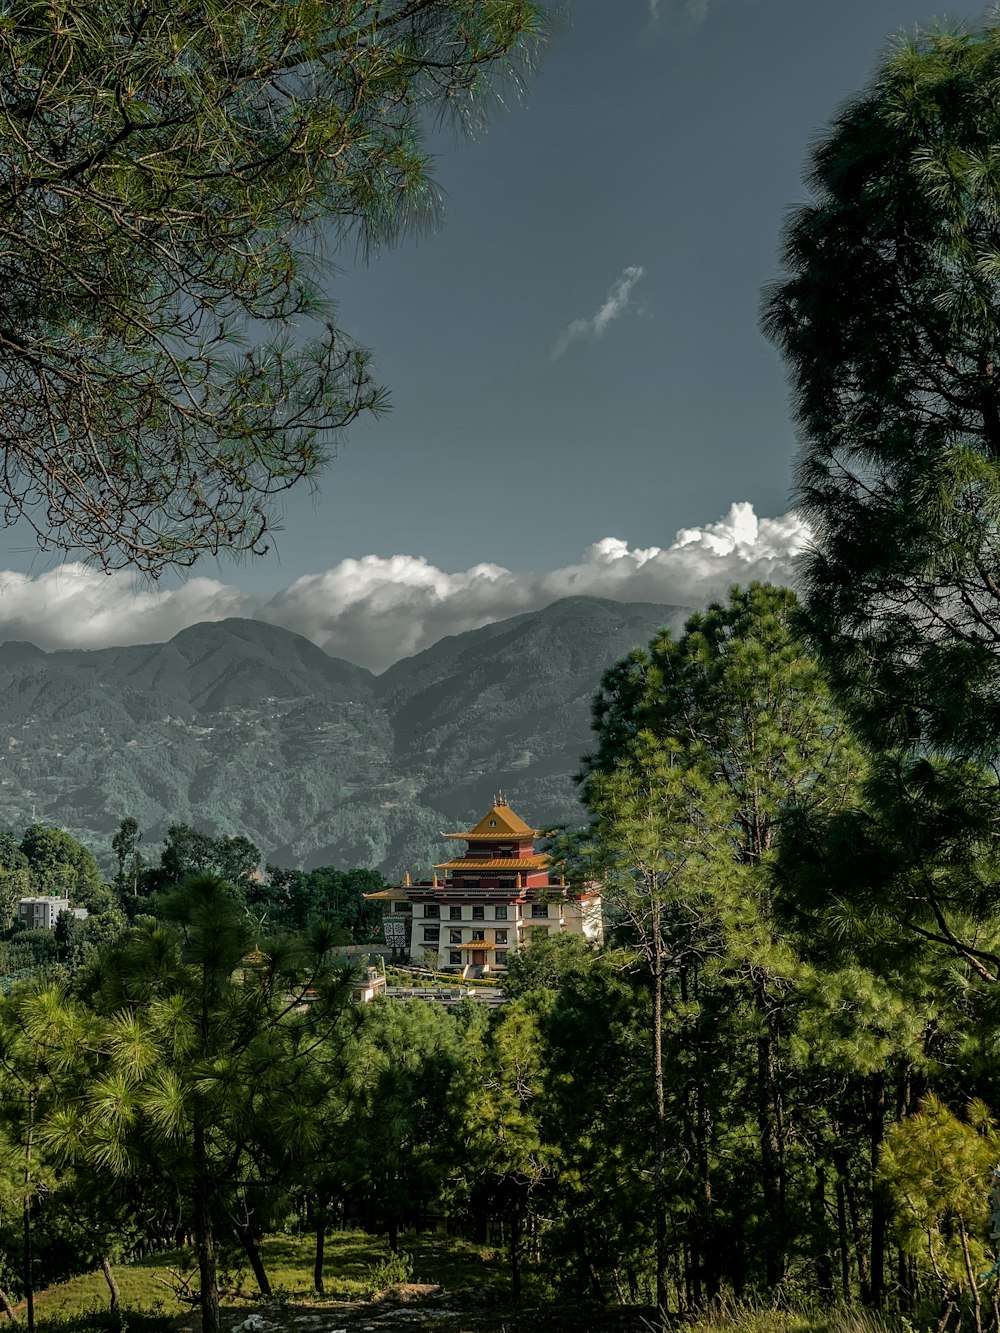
500, 799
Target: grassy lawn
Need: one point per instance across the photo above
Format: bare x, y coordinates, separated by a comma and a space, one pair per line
350, 1257
473, 1297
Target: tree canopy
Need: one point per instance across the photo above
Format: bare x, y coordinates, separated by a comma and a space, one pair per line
889, 317
172, 178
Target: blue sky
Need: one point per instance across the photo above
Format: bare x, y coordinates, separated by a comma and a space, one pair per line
661, 143
573, 357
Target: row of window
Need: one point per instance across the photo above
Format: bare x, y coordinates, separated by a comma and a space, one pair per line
455, 959
477, 882
432, 935
432, 912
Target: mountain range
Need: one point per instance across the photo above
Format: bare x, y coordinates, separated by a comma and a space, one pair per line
237, 726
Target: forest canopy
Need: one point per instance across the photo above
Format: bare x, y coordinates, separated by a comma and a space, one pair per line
174, 179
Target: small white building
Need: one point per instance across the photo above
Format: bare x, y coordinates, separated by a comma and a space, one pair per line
41, 913
369, 987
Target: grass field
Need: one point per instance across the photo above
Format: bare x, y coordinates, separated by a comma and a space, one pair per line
457, 1287
151, 1285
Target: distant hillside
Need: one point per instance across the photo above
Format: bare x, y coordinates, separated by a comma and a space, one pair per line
241, 727
509, 705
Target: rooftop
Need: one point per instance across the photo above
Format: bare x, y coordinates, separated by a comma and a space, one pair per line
487, 863
499, 822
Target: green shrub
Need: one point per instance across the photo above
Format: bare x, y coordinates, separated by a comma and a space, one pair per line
389, 1272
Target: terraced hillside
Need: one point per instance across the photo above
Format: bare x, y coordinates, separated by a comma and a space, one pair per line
241, 727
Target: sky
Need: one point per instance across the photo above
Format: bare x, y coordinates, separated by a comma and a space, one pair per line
582, 401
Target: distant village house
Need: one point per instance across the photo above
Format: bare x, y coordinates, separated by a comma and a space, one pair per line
43, 913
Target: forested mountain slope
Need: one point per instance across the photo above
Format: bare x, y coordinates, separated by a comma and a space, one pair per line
241, 727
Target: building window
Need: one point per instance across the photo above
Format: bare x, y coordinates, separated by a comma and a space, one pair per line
502, 912
432, 910
454, 937
479, 913
432, 934
471, 883
455, 958
455, 913
501, 937
539, 909
500, 958
479, 935
507, 882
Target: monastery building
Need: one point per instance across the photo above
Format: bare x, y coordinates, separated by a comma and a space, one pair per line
494, 897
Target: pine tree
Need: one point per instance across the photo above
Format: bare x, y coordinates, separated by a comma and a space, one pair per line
889, 318
171, 179
208, 1060
49, 1044
705, 743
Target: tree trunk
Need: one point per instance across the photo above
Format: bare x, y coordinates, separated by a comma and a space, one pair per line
109, 1278
977, 1304
205, 1237
6, 1306
320, 1250
770, 1165
515, 1257
709, 1250
821, 1241
879, 1217
843, 1243
659, 1133
252, 1251
859, 1246
29, 1258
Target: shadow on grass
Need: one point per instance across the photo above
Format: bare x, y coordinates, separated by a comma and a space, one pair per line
103, 1321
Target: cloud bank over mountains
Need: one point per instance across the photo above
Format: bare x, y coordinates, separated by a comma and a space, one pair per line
377, 609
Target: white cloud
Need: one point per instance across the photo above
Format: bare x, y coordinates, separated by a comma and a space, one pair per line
377, 609
615, 303
75, 606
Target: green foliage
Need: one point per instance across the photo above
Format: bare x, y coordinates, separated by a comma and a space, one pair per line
938, 1169
207, 1054
388, 1127
547, 965
164, 250
707, 745
888, 318
189, 851
294, 898
745, 700
61, 866
507, 1164
389, 1272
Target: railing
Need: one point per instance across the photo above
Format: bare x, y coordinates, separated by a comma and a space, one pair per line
442, 995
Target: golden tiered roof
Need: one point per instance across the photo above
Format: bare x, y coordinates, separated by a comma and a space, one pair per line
499, 823
537, 862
